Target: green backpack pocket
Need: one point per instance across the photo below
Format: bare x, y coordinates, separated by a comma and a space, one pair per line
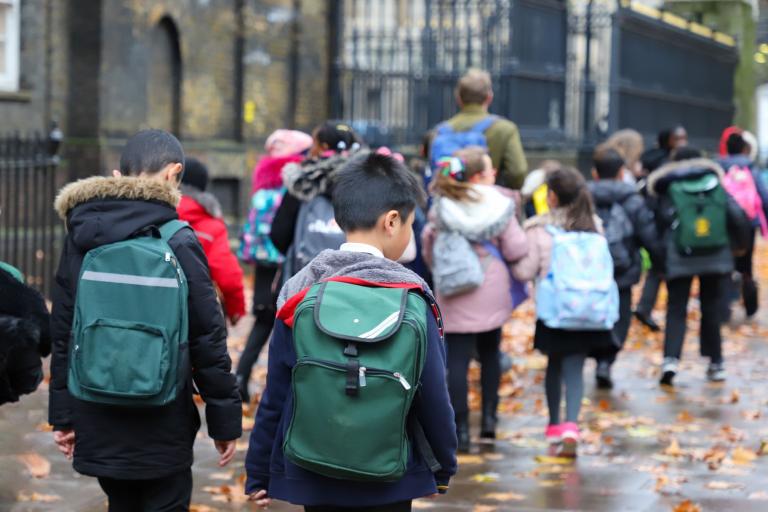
702, 209
360, 352
106, 349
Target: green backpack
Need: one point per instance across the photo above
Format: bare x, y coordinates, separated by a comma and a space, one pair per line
360, 352
129, 331
702, 209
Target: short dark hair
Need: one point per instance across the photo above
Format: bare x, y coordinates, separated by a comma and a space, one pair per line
735, 144
150, 151
337, 136
370, 185
608, 162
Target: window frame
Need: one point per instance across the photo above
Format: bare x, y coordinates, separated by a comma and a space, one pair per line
9, 80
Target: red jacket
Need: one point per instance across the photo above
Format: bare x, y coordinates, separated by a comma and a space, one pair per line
203, 213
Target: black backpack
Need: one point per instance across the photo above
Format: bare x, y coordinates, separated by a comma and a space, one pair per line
619, 231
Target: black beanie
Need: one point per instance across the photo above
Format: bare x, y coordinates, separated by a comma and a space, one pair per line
195, 174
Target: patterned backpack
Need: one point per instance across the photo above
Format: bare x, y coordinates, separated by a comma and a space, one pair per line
255, 244
579, 292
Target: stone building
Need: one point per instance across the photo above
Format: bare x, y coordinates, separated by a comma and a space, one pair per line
220, 74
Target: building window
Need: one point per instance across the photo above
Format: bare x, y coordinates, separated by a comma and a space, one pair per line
9, 45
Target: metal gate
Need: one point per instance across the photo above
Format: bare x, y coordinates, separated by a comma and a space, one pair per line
396, 64
30, 232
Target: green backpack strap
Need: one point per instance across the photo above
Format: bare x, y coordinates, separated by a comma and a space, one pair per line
172, 227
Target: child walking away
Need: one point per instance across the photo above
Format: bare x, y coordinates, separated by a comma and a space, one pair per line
203, 213
741, 182
629, 225
576, 296
304, 224
135, 321
472, 237
24, 335
356, 414
702, 224
283, 147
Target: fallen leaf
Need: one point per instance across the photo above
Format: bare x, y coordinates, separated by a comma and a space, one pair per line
751, 415
44, 427
604, 405
225, 475
735, 396
504, 496
685, 417
763, 448
661, 482
195, 507
642, 431
37, 465
37, 497
484, 508
743, 456
674, 450
248, 423
687, 506
486, 478
470, 459
548, 459
422, 504
719, 485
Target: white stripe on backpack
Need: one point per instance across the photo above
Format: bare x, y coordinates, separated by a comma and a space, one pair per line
109, 277
386, 323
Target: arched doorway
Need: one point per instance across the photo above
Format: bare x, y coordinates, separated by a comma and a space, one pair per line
164, 77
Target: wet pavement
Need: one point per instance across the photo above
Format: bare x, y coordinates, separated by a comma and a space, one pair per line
644, 449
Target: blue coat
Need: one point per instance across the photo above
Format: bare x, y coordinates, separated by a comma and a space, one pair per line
267, 467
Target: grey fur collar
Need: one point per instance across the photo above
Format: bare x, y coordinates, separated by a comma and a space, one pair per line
205, 199
99, 187
667, 171
330, 263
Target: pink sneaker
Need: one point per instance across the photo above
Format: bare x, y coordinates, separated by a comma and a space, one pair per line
570, 438
554, 434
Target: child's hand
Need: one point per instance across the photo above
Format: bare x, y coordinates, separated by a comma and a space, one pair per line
227, 451
65, 440
260, 499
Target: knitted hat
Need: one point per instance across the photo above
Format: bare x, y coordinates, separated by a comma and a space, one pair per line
287, 142
195, 174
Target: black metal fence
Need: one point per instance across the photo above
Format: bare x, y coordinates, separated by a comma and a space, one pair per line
667, 74
397, 63
30, 232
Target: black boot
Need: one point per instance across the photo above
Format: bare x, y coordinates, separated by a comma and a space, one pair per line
488, 422
462, 432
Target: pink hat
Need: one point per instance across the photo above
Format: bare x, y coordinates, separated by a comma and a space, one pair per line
287, 142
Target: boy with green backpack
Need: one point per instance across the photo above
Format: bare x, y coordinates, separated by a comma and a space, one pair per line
135, 322
356, 413
702, 225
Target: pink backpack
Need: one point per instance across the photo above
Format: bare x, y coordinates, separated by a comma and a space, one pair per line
741, 185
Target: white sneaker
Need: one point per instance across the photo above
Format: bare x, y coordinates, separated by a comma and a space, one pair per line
669, 370
716, 372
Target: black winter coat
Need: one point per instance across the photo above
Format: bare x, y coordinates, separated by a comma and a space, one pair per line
24, 338
139, 443
606, 193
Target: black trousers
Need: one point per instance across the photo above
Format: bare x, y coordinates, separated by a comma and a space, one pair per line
460, 348
264, 310
711, 288
650, 293
169, 494
403, 506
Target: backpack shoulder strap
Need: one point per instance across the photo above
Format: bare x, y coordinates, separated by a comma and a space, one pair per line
172, 227
444, 128
482, 126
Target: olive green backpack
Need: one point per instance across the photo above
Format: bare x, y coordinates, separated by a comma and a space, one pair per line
129, 331
360, 353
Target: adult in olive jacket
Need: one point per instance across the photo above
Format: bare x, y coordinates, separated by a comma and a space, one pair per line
474, 94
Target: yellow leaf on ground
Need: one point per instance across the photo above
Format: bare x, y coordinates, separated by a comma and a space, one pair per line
685, 417
484, 508
763, 448
718, 485
469, 459
642, 431
44, 427
37, 497
743, 456
37, 465
547, 459
486, 478
674, 450
735, 397
687, 506
504, 496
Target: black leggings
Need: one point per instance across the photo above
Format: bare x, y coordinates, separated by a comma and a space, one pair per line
460, 349
264, 312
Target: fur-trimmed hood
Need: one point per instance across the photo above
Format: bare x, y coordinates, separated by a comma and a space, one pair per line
100, 210
557, 218
99, 187
477, 220
205, 200
311, 178
268, 173
659, 180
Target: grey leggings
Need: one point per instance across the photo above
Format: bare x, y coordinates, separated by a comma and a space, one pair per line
566, 370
